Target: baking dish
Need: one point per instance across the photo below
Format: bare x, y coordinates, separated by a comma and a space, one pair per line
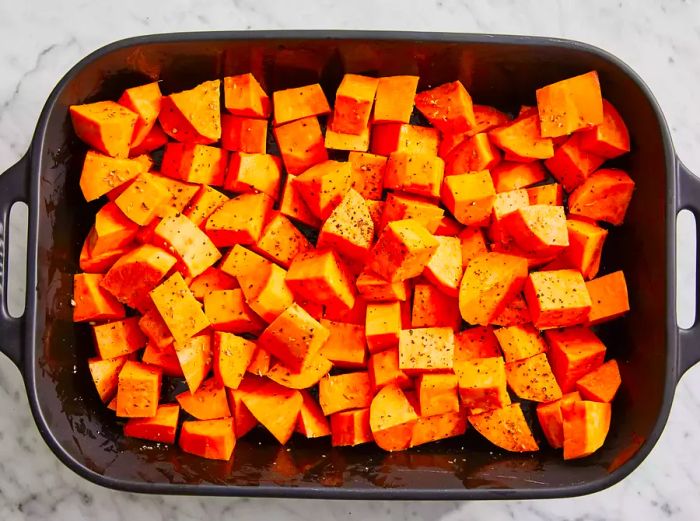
51, 351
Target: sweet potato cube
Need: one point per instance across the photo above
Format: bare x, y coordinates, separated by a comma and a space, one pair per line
506, 428
154, 140
243, 96
521, 139
195, 357
437, 394
538, 230
301, 102
312, 423
419, 174
383, 325
241, 134
532, 379
349, 229
266, 290
510, 175
516, 313
181, 193
472, 154
118, 338
391, 418
112, 230
571, 164
546, 194
383, 368
309, 374
301, 144
161, 428
604, 196
610, 138
232, 356
403, 250
335, 140
569, 105
373, 288
573, 353
448, 107
609, 298
344, 391
144, 101
321, 277
427, 349
473, 243
601, 384
281, 241
227, 310
164, 358
142, 198
211, 279
293, 337
551, 422
179, 309
241, 262
505, 204
105, 375
486, 118
346, 345
394, 99
585, 247
203, 164
92, 302
240, 220
400, 137
243, 420
434, 308
586, 426
211, 439
208, 402
404, 206
469, 197
490, 281
323, 186
138, 390
444, 269
367, 174
105, 125
189, 243
350, 428
448, 227
194, 115
520, 342
172, 159
482, 383
101, 174
353, 103
557, 298
254, 173
292, 204
475, 342
438, 427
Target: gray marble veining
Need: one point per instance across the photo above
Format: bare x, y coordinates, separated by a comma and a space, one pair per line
41, 39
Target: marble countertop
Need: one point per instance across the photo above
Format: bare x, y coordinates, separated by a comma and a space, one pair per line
41, 39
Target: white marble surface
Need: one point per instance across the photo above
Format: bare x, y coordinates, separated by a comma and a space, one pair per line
41, 39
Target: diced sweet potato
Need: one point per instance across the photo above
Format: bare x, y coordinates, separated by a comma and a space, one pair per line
382, 325
550, 419
243, 96
312, 423
232, 356
604, 196
586, 426
401, 137
301, 144
335, 140
254, 172
557, 298
391, 418
208, 402
610, 138
321, 277
482, 383
243, 134
92, 302
344, 391
444, 269
112, 230
505, 428
367, 174
353, 103
448, 227
189, 243
394, 99
427, 349
546, 194
538, 230
419, 174
349, 229
315, 367
521, 139
402, 251
601, 384
160, 428
179, 309
346, 345
292, 205
228, 311
473, 154
101, 174
105, 375
193, 116
404, 206
510, 175
532, 379
448, 107
515, 313
324, 185
195, 356
609, 298
573, 353
211, 439
585, 247
469, 197
138, 390
301, 102
504, 205
118, 338
350, 428
105, 125
383, 368
438, 427
203, 164
211, 279
374, 288
475, 342
142, 198
473, 243
281, 241
520, 342
437, 394
571, 164
240, 220
155, 328
154, 140
101, 262
165, 358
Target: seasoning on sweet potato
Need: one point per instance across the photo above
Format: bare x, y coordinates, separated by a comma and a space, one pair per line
315, 367
189, 243
402, 137
505, 204
292, 205
374, 288
573, 353
367, 174
321, 277
243, 96
118, 338
350, 428
138, 390
382, 325
383, 369
569, 105
154, 140
105, 375
232, 355
179, 309
419, 174
473, 154
434, 308
266, 290
349, 229
506, 428
346, 345
228, 311
427, 349
293, 337
195, 356
437, 394
510, 175
105, 126
473, 243
482, 383
550, 419
532, 379
586, 426
323, 186
538, 230
142, 198
490, 281
585, 247
91, 301
610, 138
301, 102
604, 196
112, 230
344, 391
394, 99
520, 342
601, 384
392, 418
475, 342
243, 134
155, 328
164, 358
208, 402
521, 139
211, 439
312, 423
136, 273
557, 298
448, 107
203, 164
194, 115
144, 101
438, 427
239, 220
301, 144
211, 279
281, 241
515, 313
102, 174
275, 407
546, 194
353, 103
609, 298
181, 194
254, 173
469, 197
400, 206
571, 164
160, 428
335, 140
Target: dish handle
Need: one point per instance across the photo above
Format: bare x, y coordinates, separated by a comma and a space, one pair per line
14, 187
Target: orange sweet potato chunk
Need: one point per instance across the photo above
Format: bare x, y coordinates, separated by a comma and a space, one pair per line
367, 174
482, 383
521, 139
586, 426
181, 312
601, 384
301, 144
427, 349
105, 125
571, 164
211, 279
112, 230
382, 325
239, 220
516, 313
118, 338
444, 269
609, 298
353, 103
312, 423
472, 154
475, 342
105, 375
211, 439
505, 428
469, 197
242, 134
335, 140
208, 402
161, 428
438, 427
92, 302
228, 311
394, 99
101, 174
532, 379
401, 137
520, 342
324, 185
142, 198
585, 247
511, 175
244, 96
281, 241
195, 357
292, 204
373, 288
419, 174
350, 428
400, 206
315, 367
322, 277
573, 353
538, 230
346, 345
297, 103
448, 107
550, 419
189, 243
193, 116
344, 391
557, 298
254, 172
138, 390
604, 196
232, 356
437, 394
546, 194
610, 138
349, 228
383, 368
392, 417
